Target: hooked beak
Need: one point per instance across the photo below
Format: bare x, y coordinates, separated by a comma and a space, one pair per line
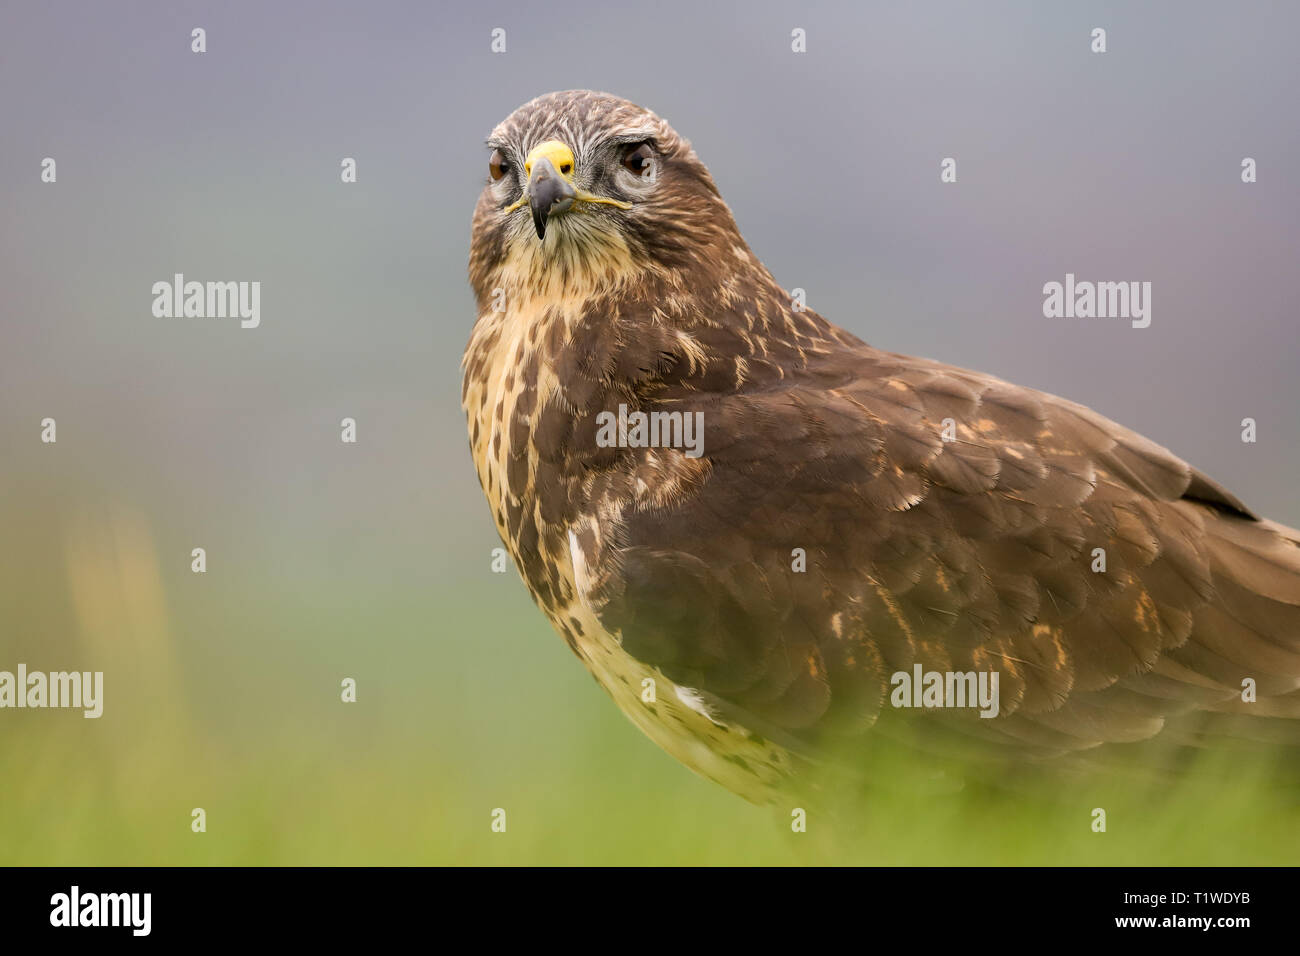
549, 193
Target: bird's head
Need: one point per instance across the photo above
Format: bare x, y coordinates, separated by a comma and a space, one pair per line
589, 189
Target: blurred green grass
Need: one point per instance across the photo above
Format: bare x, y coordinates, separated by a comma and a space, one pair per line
223, 693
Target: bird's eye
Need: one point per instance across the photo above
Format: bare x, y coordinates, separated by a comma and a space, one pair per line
498, 165
639, 159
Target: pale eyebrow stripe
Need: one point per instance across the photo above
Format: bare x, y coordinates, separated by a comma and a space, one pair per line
633, 136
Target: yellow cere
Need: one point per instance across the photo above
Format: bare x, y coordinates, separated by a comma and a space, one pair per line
561, 158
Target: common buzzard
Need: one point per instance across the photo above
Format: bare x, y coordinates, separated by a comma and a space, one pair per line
753, 528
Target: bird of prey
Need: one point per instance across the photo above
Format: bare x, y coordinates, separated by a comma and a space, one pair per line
753, 595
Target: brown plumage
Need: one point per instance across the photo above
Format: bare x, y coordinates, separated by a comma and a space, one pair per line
947, 518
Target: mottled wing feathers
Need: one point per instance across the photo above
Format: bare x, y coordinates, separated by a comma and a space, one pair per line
949, 519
